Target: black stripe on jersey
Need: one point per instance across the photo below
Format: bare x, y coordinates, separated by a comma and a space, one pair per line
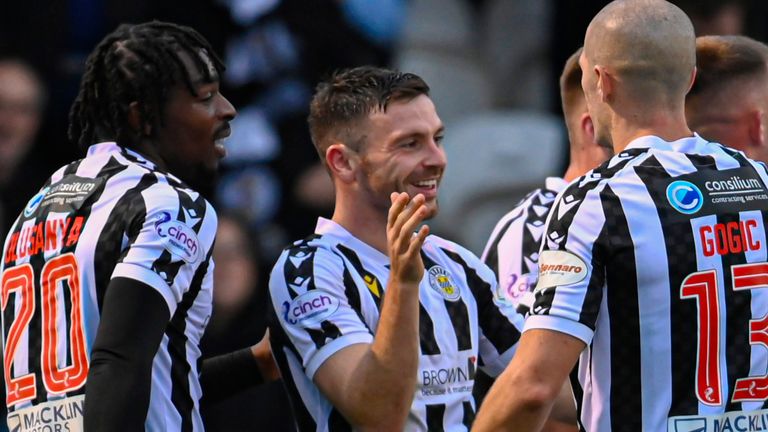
457, 312
328, 332
578, 392
560, 225
72, 168
279, 339
435, 414
738, 305
621, 276
492, 259
494, 325
681, 262
427, 339
370, 280
299, 267
109, 245
469, 414
177, 347
530, 245
353, 295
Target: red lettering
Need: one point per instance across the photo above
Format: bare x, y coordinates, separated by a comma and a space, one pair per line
726, 238
39, 238
10, 254
51, 239
734, 237
751, 223
74, 234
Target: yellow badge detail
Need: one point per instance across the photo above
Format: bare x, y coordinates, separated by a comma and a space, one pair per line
440, 280
373, 285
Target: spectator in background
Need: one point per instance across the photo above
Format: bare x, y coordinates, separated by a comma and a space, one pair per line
239, 320
729, 99
22, 98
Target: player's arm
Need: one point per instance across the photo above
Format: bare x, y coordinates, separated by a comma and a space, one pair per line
133, 319
527, 389
373, 384
228, 374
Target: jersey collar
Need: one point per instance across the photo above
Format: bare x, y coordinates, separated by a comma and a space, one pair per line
683, 145
329, 228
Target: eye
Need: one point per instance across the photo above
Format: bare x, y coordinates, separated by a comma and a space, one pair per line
206, 96
439, 139
409, 144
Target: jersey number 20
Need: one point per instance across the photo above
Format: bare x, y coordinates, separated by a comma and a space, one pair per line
57, 380
702, 286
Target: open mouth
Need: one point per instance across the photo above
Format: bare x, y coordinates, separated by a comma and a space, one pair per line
220, 137
426, 184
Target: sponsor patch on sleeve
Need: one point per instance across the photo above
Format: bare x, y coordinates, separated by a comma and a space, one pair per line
178, 238
310, 308
558, 268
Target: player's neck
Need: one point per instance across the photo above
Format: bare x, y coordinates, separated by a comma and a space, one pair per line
665, 125
363, 221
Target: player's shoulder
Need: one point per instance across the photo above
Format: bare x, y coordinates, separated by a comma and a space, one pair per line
317, 247
449, 250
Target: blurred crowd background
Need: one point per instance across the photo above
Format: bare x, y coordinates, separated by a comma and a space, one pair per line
492, 66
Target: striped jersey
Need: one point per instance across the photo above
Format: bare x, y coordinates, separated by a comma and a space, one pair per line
326, 292
111, 214
657, 261
512, 251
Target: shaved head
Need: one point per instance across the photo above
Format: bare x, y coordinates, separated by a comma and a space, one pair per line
648, 44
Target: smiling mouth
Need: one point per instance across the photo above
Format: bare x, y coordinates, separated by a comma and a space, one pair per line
426, 184
219, 138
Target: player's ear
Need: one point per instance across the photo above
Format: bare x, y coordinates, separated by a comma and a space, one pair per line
605, 83
756, 125
341, 161
587, 127
135, 120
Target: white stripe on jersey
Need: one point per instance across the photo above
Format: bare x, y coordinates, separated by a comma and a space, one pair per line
348, 275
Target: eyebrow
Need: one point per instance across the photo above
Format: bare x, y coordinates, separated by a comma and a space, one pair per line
400, 136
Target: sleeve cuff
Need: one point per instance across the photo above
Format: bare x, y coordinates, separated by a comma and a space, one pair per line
146, 276
562, 325
333, 347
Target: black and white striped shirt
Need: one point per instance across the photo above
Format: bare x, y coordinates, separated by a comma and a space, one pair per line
112, 214
327, 291
657, 261
512, 251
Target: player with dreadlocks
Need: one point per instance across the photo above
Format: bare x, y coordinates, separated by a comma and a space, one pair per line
107, 273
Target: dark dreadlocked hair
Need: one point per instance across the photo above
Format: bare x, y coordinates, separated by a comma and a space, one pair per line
135, 63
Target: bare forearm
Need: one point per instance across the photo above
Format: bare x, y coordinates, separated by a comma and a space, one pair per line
387, 372
510, 407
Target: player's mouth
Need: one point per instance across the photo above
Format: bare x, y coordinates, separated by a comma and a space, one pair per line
221, 135
427, 187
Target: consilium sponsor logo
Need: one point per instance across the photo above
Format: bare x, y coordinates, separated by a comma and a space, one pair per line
734, 183
558, 267
34, 203
178, 238
310, 308
685, 196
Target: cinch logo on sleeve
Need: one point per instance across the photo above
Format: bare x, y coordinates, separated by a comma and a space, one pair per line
685, 197
310, 308
178, 238
558, 267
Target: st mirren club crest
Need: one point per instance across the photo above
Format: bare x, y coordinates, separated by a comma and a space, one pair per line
440, 280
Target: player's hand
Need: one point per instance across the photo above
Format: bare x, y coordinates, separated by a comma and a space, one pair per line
405, 214
262, 352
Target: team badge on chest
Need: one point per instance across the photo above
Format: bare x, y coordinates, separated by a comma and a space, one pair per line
440, 280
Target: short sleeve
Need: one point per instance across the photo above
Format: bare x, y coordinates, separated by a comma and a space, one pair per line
168, 242
308, 289
571, 270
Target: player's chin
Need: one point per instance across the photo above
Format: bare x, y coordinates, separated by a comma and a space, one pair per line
432, 208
